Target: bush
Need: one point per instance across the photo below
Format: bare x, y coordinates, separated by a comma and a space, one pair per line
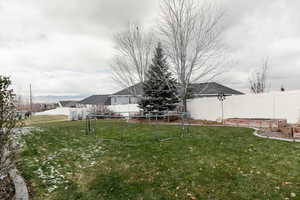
8, 121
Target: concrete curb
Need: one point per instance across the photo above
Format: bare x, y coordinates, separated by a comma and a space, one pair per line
273, 138
20, 185
21, 191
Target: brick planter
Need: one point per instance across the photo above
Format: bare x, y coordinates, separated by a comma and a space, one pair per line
273, 124
291, 130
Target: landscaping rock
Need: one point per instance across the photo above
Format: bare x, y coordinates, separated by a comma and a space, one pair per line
7, 189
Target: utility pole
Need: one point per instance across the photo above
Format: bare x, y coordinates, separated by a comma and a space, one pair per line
30, 99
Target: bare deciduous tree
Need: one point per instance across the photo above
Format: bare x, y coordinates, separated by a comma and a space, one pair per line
191, 31
258, 79
133, 56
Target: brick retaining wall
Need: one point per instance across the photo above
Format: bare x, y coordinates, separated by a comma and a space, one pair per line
257, 123
275, 125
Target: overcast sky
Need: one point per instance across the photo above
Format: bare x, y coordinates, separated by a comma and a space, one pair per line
64, 47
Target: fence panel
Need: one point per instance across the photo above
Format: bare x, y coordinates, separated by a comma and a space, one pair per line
279, 105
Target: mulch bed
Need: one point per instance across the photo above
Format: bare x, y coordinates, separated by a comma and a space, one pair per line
7, 189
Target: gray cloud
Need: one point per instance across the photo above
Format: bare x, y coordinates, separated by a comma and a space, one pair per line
64, 47
264, 29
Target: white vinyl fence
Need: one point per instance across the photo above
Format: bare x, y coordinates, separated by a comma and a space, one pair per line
72, 113
57, 111
125, 110
279, 105
81, 113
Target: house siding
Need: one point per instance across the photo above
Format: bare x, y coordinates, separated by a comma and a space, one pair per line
123, 100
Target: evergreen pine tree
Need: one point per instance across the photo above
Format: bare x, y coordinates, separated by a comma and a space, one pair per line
160, 91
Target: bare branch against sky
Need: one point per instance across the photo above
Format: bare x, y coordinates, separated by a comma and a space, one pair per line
258, 79
191, 32
133, 55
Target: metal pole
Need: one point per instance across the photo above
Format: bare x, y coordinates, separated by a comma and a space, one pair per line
30, 98
222, 112
149, 120
221, 98
95, 125
182, 124
87, 125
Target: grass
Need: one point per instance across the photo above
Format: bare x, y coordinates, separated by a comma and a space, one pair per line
61, 162
42, 119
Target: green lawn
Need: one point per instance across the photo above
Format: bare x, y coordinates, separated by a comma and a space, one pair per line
38, 119
134, 162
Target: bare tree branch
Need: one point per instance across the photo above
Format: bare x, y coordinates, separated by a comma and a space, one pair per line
133, 56
258, 79
191, 34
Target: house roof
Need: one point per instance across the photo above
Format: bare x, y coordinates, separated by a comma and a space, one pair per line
96, 100
67, 103
212, 88
135, 89
198, 89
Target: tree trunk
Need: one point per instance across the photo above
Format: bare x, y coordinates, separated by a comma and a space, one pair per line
1, 142
184, 101
2, 151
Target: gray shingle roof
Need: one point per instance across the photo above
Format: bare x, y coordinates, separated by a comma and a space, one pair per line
67, 103
96, 100
212, 88
198, 89
135, 89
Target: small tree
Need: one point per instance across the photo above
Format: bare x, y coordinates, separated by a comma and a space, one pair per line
8, 120
258, 79
160, 91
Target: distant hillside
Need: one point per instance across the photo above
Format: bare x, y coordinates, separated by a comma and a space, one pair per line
54, 99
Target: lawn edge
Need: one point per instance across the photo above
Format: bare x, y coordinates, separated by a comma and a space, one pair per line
255, 133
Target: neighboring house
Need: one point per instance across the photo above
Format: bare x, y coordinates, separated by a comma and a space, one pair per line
67, 104
131, 95
95, 102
